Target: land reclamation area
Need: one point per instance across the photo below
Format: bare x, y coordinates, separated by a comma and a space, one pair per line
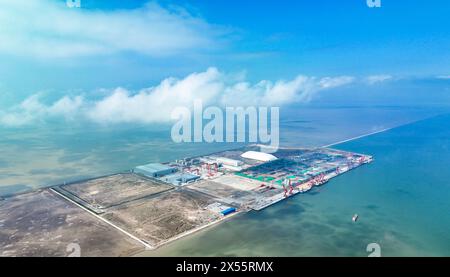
154, 204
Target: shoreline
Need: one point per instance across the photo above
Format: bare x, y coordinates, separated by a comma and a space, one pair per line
151, 248
187, 234
216, 223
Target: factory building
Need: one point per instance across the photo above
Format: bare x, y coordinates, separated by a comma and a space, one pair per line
182, 178
155, 170
259, 156
228, 161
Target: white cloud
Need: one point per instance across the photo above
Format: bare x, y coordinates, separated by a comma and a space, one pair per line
443, 77
49, 29
32, 110
300, 89
155, 104
374, 79
66, 106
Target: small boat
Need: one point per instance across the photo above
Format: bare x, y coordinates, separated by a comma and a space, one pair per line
355, 217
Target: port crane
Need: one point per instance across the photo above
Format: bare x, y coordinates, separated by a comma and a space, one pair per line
284, 187
214, 165
361, 160
320, 179
288, 187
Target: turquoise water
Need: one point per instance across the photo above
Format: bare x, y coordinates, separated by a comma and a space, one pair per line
402, 199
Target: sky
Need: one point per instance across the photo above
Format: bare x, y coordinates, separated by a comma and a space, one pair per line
113, 61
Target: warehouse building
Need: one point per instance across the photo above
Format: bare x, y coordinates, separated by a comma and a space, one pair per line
155, 170
182, 178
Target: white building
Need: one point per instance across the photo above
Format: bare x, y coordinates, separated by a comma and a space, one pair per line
259, 156
228, 161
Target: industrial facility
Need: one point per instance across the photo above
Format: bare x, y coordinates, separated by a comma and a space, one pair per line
251, 179
156, 203
155, 170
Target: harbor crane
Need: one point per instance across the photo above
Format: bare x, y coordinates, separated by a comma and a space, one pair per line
291, 188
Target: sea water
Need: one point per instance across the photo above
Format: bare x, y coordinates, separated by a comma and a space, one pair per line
402, 199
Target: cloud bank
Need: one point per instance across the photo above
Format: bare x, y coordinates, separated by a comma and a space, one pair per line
155, 104
49, 29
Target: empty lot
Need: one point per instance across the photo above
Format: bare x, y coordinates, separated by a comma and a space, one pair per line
114, 190
165, 216
42, 223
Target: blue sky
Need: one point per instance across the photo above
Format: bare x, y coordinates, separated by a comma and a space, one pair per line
408, 37
336, 37
51, 50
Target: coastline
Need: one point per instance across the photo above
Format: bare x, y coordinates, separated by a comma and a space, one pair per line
204, 227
